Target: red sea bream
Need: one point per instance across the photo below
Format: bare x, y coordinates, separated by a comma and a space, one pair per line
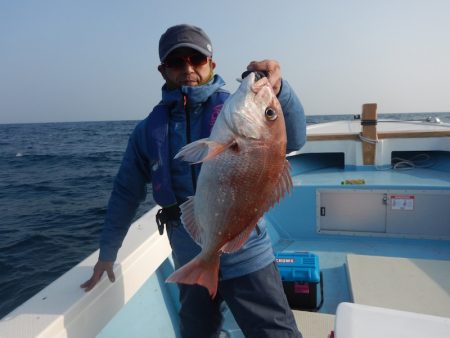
244, 173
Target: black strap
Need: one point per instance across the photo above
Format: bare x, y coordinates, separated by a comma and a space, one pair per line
368, 122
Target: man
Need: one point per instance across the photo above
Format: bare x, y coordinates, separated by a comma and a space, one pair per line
191, 98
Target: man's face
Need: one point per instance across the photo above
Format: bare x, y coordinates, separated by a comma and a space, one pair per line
186, 67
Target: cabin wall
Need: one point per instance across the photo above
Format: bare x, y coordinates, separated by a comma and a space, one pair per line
302, 197
320, 175
286, 226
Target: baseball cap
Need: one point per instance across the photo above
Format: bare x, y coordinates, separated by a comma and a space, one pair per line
184, 36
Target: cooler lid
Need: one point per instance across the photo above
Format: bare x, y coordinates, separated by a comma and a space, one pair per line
363, 321
297, 266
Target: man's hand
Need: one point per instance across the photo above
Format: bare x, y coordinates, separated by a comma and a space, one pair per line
99, 269
272, 68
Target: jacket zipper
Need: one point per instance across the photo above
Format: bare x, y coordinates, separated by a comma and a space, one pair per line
189, 139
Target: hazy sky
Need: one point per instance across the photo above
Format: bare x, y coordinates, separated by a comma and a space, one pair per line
96, 60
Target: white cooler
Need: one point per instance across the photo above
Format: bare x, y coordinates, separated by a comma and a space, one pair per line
363, 321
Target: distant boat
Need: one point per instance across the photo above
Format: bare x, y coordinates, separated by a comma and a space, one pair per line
371, 202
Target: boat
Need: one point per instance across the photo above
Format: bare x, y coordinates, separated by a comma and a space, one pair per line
370, 203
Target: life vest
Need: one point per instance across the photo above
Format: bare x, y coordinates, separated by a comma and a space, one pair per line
158, 124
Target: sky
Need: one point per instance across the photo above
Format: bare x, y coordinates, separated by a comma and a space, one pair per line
97, 60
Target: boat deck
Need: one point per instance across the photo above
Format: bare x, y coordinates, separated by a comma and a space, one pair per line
368, 227
420, 178
333, 257
144, 305
342, 272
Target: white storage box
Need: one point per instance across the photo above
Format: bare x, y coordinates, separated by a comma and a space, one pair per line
363, 321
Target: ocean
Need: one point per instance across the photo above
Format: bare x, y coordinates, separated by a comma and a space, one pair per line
55, 181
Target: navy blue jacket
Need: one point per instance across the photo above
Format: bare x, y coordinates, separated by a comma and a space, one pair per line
143, 159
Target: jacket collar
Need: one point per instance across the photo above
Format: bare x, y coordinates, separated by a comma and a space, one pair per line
195, 95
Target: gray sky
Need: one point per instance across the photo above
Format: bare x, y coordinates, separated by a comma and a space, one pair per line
96, 60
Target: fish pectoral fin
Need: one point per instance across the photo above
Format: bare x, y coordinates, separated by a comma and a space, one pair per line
285, 183
284, 186
194, 152
236, 243
189, 222
202, 150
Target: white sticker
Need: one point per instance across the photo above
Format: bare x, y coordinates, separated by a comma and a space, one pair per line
402, 202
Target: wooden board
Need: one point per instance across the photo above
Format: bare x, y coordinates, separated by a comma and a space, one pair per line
313, 324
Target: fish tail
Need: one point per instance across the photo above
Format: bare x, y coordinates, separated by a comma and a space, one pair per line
198, 271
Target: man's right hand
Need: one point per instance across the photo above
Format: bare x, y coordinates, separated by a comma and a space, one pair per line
99, 269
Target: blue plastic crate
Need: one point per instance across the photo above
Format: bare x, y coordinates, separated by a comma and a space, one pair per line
301, 275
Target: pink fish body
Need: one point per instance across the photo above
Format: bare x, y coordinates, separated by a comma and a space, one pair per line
244, 173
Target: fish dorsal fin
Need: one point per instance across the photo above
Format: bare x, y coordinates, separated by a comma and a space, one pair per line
236, 243
284, 186
202, 150
189, 222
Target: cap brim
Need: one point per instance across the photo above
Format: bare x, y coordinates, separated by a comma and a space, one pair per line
189, 45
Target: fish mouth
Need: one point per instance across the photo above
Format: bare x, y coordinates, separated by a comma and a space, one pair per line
254, 81
252, 96
249, 78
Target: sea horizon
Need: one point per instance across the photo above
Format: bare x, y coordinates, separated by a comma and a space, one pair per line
307, 115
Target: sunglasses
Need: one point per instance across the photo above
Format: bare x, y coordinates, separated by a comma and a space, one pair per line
178, 62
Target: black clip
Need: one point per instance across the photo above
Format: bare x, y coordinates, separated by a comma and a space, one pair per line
159, 221
258, 74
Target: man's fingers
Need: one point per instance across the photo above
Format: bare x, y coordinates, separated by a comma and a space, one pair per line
111, 275
258, 65
99, 269
272, 68
88, 285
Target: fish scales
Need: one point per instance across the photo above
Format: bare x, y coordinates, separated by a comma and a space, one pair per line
235, 196
244, 172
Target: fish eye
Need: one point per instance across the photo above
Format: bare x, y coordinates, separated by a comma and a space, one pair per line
271, 114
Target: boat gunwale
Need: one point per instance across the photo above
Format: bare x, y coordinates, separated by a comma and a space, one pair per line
381, 135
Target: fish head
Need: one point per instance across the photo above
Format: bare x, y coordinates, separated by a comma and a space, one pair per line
254, 111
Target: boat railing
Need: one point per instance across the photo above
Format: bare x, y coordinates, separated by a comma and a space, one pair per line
63, 309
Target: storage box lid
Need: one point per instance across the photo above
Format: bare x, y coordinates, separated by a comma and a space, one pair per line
297, 266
